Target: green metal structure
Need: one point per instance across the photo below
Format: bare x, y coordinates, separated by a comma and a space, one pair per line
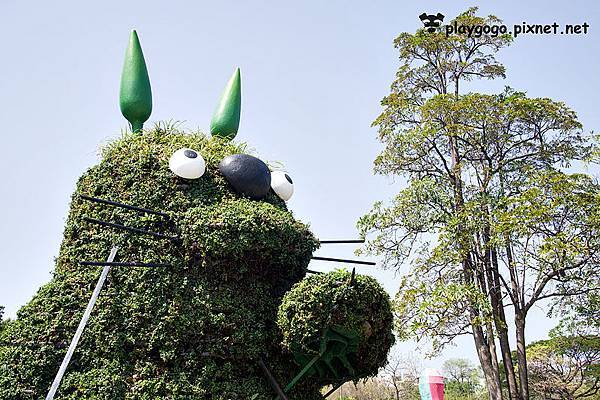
332, 361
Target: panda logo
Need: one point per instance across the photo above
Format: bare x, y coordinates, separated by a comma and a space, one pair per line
432, 22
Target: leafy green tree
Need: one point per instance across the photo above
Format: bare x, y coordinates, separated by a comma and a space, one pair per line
552, 228
402, 376
398, 380
462, 379
487, 213
366, 389
3, 327
565, 367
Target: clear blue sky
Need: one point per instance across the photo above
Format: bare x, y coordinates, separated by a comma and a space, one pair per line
313, 73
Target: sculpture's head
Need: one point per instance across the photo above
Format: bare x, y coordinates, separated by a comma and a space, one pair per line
213, 206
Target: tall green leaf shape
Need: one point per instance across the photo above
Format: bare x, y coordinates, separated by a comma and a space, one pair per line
135, 97
226, 118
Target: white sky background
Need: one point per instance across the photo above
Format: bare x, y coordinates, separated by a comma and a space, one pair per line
313, 74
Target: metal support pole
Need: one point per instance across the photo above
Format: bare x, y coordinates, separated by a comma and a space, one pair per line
272, 380
82, 323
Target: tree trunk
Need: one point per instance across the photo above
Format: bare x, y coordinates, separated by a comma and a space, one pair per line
489, 333
489, 363
517, 306
511, 379
485, 359
521, 354
502, 327
491, 340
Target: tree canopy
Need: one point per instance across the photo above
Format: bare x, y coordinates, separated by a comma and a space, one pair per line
565, 367
489, 217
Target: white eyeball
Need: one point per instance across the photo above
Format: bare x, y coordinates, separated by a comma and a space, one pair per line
282, 185
187, 163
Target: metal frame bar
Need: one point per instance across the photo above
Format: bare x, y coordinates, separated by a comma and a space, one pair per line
302, 372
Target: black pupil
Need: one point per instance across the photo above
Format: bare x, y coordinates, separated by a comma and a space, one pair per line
190, 154
288, 179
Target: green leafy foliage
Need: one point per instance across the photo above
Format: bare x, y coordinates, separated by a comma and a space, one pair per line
565, 367
193, 330
580, 314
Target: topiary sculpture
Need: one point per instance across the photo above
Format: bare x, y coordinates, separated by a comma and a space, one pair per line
205, 298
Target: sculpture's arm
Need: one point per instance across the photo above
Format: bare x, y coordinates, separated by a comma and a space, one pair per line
338, 327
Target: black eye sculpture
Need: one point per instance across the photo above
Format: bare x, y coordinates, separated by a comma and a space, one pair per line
248, 175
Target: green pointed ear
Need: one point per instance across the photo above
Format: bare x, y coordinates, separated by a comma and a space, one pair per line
135, 97
226, 119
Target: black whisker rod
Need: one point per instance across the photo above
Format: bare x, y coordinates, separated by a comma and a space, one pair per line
129, 228
127, 206
31, 344
352, 277
345, 261
341, 241
333, 389
122, 264
310, 271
